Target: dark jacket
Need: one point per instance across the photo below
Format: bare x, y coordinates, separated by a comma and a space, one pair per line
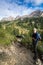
36, 37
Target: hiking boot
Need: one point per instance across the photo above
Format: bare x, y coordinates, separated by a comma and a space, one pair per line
38, 62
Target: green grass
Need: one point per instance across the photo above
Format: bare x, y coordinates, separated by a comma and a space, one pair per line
6, 37
18, 27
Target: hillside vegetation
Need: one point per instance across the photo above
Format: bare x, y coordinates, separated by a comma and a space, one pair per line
11, 30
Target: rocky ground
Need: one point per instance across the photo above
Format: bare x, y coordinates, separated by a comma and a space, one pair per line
15, 54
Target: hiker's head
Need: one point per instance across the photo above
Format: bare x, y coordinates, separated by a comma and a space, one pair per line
35, 30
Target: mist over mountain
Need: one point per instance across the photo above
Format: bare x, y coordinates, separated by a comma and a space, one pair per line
10, 18
37, 13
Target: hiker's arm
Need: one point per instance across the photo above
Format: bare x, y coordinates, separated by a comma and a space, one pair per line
33, 39
40, 37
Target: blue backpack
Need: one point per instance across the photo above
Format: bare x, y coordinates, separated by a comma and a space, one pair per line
38, 36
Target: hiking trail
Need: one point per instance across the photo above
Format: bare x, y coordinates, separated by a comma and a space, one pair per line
15, 55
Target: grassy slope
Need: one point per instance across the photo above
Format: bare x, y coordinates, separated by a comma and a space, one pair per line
23, 27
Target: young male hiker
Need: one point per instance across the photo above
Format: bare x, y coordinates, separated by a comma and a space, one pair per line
35, 38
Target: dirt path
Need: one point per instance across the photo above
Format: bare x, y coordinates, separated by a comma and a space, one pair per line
15, 55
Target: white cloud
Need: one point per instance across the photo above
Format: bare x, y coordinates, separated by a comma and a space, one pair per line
13, 9
8, 9
38, 2
34, 2
28, 11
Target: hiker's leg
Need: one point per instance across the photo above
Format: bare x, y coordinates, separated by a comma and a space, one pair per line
36, 53
33, 47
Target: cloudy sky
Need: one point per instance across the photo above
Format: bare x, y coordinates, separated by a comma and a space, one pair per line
19, 7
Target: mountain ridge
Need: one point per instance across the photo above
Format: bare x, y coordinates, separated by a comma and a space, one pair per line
36, 13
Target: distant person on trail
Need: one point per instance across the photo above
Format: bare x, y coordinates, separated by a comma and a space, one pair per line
35, 38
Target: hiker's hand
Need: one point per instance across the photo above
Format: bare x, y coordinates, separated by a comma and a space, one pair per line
34, 39
40, 38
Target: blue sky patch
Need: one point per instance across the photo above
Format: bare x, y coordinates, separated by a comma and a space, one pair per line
19, 7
